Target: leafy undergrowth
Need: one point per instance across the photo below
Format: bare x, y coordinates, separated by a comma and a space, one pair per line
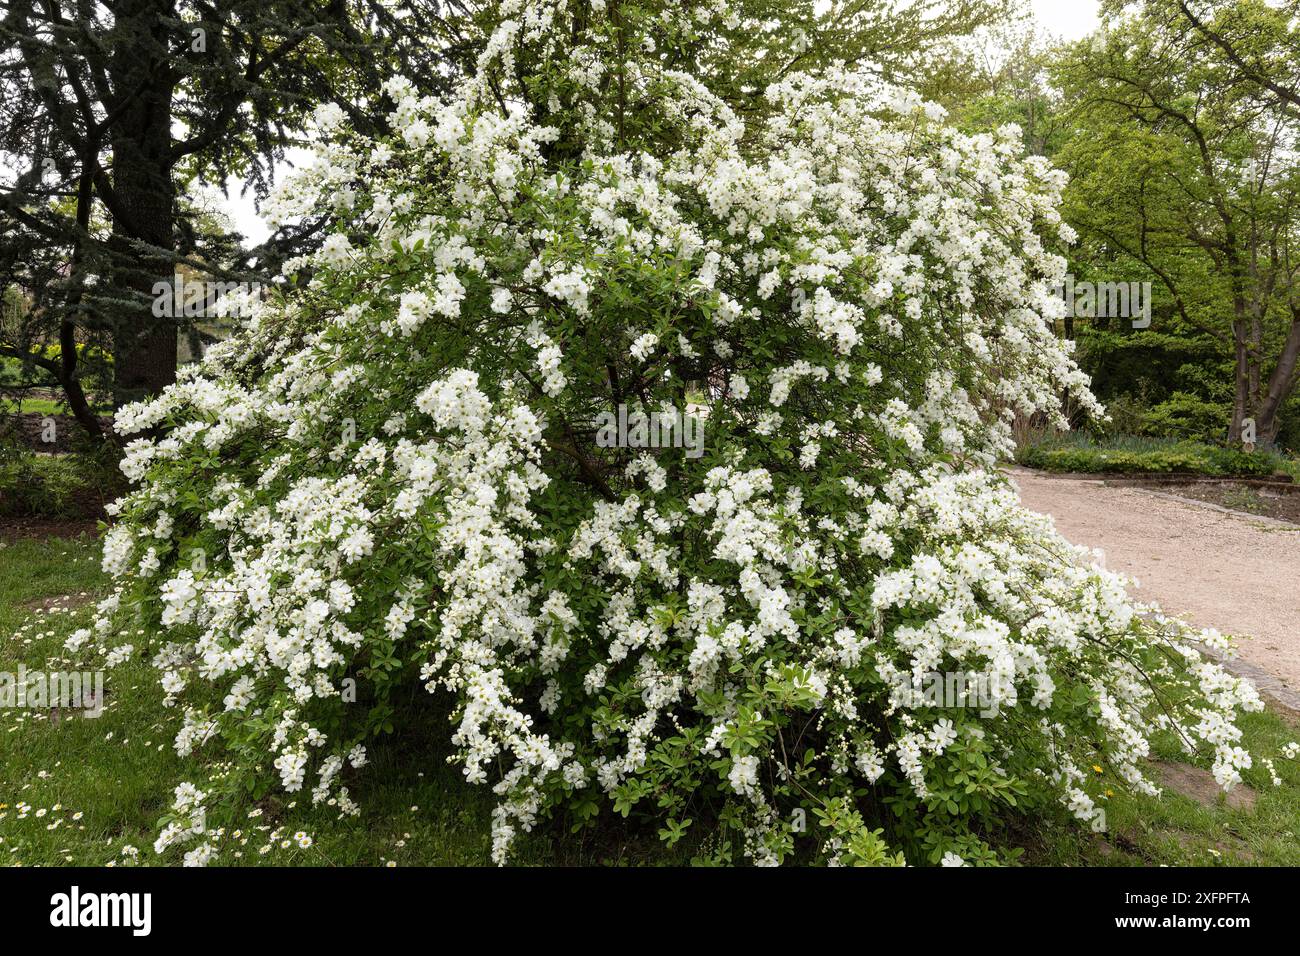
1128, 455
56, 486
84, 791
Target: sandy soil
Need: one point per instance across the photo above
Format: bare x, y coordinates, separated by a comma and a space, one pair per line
15, 529
1235, 572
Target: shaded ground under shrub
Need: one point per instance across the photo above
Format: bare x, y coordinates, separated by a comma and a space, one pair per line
46, 431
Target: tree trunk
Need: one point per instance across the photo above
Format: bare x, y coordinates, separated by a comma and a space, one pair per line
67, 372
144, 346
1241, 398
1280, 384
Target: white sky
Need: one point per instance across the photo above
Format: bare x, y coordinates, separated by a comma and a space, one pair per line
1067, 19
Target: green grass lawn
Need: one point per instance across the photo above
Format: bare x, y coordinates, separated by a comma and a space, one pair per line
1177, 831
38, 406
79, 791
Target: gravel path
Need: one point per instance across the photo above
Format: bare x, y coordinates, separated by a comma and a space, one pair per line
1214, 568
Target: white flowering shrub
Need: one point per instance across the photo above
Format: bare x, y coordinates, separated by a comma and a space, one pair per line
390, 477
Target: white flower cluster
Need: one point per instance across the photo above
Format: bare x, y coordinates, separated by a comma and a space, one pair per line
392, 474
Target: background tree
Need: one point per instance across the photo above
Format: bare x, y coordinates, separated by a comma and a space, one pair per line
113, 109
998, 75
1181, 167
1260, 40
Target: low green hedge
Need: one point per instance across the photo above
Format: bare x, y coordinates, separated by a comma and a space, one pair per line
1190, 457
